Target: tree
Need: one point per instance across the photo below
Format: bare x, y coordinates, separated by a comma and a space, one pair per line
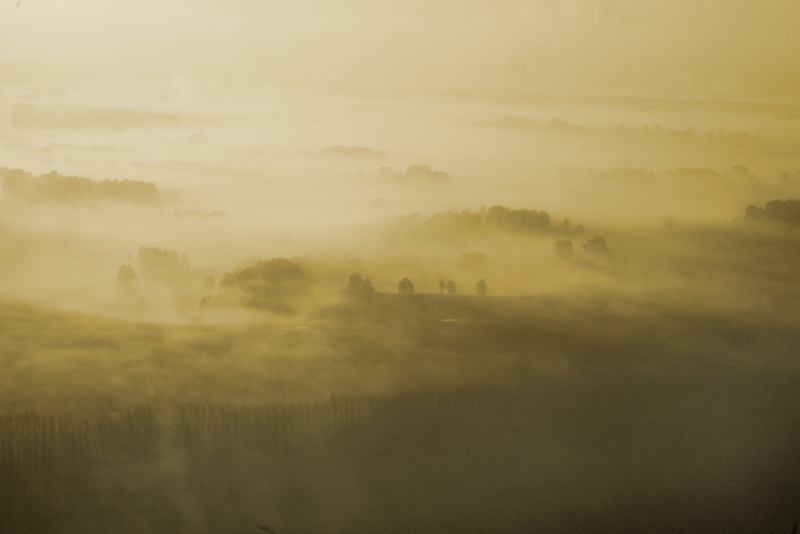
596, 245
405, 287
354, 287
162, 264
367, 289
126, 276
441, 287
450, 287
787, 211
481, 288
360, 287
275, 285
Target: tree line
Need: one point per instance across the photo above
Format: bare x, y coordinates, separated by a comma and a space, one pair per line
35, 446
73, 474
785, 211
73, 189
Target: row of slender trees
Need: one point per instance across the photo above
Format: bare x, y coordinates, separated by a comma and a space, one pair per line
75, 475
34, 446
45, 444
408, 416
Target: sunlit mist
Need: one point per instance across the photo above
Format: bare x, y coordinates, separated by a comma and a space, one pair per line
356, 267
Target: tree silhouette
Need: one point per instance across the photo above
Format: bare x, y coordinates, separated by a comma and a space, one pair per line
481, 288
360, 287
275, 285
596, 245
451, 287
787, 211
126, 276
367, 288
405, 287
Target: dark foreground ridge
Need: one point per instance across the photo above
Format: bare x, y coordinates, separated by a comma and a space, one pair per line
606, 457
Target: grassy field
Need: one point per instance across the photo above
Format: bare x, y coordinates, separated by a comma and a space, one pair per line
424, 414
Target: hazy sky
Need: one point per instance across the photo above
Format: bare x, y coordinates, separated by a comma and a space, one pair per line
742, 49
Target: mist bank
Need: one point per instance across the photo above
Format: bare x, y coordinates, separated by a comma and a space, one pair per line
126, 249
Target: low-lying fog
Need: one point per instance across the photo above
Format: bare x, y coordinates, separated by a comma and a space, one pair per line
312, 268
345, 180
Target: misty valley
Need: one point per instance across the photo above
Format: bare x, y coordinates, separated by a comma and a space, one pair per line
232, 306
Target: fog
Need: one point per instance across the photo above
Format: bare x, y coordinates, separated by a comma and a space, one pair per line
432, 266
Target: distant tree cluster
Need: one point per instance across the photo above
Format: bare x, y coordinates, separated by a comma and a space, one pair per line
521, 220
453, 222
360, 287
425, 173
596, 245
563, 250
159, 264
416, 172
126, 275
274, 285
714, 136
72, 189
786, 211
